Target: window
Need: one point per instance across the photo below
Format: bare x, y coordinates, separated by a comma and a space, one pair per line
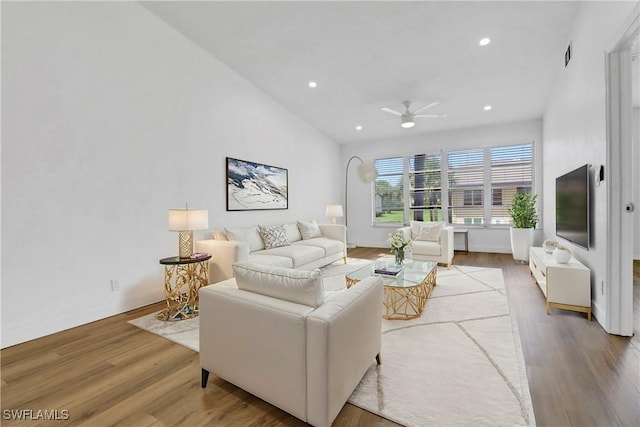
389, 191
473, 197
496, 197
466, 184
425, 195
473, 187
511, 173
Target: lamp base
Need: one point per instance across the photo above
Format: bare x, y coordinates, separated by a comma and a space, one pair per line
185, 244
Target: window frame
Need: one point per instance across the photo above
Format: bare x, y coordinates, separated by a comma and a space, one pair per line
486, 191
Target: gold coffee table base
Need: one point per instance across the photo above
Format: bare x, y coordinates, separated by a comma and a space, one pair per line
406, 293
405, 303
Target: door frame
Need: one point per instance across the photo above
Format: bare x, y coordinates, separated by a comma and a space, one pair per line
619, 254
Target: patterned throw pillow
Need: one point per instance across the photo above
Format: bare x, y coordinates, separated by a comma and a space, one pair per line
274, 236
429, 231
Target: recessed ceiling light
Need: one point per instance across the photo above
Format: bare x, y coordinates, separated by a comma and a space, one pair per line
358, 127
313, 84
485, 41
487, 107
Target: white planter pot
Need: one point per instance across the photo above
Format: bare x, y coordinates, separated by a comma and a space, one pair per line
521, 241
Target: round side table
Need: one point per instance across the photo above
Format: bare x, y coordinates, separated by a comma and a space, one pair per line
182, 279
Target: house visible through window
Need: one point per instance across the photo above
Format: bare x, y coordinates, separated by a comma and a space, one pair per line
466, 184
473, 197
471, 187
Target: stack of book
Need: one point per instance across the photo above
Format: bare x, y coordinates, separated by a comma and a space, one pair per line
389, 270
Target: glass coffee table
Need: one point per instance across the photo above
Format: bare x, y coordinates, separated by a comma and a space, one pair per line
406, 293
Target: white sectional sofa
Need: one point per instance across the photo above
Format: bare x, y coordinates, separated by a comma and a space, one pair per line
301, 245
275, 333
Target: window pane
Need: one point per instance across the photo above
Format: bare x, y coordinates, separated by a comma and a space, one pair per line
466, 181
511, 173
389, 203
425, 193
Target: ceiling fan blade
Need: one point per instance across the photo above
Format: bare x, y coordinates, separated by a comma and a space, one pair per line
389, 110
424, 107
429, 115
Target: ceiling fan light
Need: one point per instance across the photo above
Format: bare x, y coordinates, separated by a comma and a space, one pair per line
407, 121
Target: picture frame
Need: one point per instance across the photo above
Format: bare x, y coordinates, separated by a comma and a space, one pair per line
253, 186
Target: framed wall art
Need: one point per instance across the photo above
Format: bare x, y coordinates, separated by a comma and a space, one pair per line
255, 186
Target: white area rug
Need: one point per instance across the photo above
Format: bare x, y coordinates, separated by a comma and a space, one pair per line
460, 363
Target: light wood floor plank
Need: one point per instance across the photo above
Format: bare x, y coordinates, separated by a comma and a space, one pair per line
111, 373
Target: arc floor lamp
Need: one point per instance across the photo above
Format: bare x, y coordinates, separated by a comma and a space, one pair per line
368, 173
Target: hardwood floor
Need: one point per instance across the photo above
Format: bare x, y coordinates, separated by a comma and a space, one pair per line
111, 373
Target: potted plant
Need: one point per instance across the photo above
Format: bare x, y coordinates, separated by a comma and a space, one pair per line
524, 217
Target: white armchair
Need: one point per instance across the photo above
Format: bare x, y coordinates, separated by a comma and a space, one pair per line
281, 339
430, 241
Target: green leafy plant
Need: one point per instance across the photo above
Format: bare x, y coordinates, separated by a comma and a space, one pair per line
523, 211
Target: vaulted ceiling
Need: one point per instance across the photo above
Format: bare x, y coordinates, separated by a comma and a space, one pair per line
369, 55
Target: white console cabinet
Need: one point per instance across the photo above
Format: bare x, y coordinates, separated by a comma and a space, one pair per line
566, 286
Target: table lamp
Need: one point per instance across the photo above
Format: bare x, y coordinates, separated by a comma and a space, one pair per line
185, 221
334, 211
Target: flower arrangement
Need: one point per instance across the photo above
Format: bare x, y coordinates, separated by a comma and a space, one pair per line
549, 245
398, 246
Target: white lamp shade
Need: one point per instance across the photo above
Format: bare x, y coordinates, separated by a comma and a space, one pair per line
188, 219
334, 211
368, 172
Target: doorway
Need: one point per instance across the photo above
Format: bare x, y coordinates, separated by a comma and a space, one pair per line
621, 187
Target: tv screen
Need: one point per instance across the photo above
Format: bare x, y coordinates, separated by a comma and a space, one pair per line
572, 206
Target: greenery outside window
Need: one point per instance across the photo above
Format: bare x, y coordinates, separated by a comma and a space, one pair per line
425, 194
470, 187
389, 190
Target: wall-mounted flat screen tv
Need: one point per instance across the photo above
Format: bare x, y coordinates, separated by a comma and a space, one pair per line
572, 206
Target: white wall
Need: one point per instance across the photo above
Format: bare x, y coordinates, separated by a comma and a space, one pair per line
575, 125
481, 239
110, 118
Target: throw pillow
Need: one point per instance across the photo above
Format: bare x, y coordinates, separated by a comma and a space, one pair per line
219, 234
248, 235
293, 234
300, 287
426, 231
309, 230
273, 236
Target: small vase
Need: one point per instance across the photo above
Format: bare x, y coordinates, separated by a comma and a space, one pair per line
561, 256
399, 257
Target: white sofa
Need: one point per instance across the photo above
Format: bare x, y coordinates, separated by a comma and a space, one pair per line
304, 354
306, 252
430, 241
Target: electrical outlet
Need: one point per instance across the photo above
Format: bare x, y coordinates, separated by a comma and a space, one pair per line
115, 285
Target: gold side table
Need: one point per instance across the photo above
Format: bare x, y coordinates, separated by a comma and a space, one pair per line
182, 279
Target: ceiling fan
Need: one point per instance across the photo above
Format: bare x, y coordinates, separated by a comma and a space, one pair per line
407, 118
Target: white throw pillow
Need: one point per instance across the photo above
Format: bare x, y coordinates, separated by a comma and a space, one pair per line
219, 234
309, 229
426, 231
301, 287
293, 234
273, 236
248, 235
